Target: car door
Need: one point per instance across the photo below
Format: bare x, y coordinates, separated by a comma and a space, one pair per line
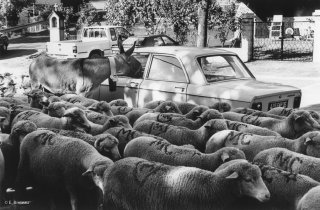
165, 79
127, 87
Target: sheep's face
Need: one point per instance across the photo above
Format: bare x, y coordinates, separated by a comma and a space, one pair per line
118, 121
251, 183
168, 107
118, 102
102, 107
211, 114
56, 109
311, 141
5, 119
21, 129
107, 145
77, 119
221, 106
229, 153
304, 122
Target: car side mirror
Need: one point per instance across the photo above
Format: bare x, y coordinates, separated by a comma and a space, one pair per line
112, 85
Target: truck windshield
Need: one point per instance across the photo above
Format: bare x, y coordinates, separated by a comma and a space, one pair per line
222, 67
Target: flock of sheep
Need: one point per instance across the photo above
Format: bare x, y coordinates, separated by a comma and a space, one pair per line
68, 151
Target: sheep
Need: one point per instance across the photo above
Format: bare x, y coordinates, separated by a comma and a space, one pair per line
57, 163
286, 189
77, 99
115, 121
179, 135
5, 117
101, 107
125, 135
118, 102
135, 183
10, 150
181, 120
162, 151
152, 104
73, 118
253, 144
295, 125
106, 144
285, 112
253, 112
221, 106
310, 201
165, 107
37, 98
290, 161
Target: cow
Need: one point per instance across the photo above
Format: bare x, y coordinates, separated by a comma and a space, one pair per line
82, 75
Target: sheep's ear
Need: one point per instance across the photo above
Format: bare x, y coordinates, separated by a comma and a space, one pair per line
234, 175
297, 116
308, 140
225, 157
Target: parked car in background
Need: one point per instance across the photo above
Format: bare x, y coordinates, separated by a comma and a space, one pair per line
4, 42
147, 41
197, 75
95, 42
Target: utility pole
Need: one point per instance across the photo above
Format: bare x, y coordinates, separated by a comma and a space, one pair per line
203, 8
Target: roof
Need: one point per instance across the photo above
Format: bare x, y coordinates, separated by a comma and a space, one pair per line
60, 15
102, 26
48, 2
287, 8
182, 50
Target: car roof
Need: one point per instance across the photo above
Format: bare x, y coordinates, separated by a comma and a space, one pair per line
144, 36
183, 50
108, 26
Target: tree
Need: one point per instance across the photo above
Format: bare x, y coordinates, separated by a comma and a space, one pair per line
203, 8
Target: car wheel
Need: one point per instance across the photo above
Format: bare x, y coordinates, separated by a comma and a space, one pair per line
2, 49
95, 55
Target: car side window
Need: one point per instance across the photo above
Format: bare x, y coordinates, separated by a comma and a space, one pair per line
158, 41
166, 68
142, 58
167, 41
113, 34
85, 33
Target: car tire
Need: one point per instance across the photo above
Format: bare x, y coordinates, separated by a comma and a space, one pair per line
2, 49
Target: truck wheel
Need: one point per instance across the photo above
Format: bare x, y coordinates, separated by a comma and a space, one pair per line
95, 55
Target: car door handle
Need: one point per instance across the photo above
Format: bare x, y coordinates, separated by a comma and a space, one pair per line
133, 84
181, 88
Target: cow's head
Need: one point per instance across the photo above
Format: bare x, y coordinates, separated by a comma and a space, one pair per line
130, 66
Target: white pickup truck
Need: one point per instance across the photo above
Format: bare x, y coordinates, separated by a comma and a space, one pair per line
96, 41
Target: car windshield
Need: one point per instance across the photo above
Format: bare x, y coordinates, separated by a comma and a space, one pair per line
131, 40
222, 67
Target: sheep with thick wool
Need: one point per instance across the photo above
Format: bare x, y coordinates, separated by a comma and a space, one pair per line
106, 144
10, 150
310, 201
115, 121
56, 163
125, 135
118, 102
138, 184
286, 189
181, 120
295, 125
162, 151
252, 144
73, 118
290, 161
77, 99
253, 112
179, 135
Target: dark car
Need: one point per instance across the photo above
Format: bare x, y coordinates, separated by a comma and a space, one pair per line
147, 41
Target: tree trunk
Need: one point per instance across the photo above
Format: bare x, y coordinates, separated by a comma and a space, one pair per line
202, 23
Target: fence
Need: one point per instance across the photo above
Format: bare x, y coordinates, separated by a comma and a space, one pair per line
291, 40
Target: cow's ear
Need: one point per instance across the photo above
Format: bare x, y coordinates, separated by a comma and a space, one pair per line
130, 51
120, 46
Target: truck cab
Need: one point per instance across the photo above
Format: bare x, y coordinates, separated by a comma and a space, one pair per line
96, 41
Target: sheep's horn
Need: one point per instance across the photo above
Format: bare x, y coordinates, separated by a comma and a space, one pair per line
308, 139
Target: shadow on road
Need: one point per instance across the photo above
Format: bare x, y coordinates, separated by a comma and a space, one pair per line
12, 53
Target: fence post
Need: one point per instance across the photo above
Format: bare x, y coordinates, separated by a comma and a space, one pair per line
316, 41
247, 33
